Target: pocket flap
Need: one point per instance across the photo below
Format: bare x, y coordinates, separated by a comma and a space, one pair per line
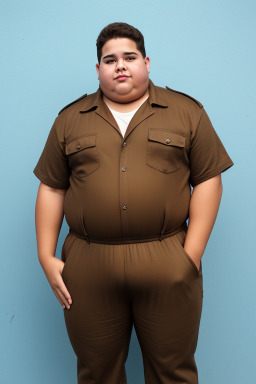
80, 143
166, 137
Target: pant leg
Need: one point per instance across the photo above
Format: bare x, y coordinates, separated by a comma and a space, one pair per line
99, 322
166, 290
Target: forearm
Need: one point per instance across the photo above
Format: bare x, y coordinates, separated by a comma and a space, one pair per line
48, 220
203, 209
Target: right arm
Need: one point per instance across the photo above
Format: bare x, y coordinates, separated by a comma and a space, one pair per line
48, 220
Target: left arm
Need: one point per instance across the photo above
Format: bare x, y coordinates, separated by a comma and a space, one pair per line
203, 209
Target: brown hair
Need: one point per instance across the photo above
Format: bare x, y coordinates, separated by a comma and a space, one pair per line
115, 30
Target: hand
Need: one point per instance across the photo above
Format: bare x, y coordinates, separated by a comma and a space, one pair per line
195, 259
53, 267
197, 263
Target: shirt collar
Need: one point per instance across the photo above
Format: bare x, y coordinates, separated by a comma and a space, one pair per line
94, 100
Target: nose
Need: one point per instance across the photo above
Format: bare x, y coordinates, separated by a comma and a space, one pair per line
120, 65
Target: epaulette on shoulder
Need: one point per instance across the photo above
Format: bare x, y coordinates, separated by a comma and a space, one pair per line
73, 102
192, 98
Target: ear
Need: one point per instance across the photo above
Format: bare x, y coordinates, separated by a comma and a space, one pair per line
97, 69
147, 63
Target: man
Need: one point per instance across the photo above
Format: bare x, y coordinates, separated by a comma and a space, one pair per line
120, 164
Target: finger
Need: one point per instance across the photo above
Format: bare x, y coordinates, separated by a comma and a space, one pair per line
56, 292
61, 297
65, 294
64, 299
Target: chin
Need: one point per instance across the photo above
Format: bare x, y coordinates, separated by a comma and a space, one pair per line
123, 99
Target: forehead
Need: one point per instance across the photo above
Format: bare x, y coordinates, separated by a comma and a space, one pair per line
118, 46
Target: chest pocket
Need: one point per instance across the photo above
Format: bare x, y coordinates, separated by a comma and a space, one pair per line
82, 155
165, 150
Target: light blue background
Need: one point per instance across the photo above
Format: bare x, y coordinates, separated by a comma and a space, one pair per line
48, 56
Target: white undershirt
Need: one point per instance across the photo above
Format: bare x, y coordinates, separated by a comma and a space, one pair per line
123, 118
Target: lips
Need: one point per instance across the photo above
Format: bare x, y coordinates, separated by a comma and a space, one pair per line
122, 77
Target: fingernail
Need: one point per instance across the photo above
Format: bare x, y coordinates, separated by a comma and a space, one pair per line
63, 306
70, 301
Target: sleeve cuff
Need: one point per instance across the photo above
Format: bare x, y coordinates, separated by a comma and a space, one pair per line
49, 182
212, 173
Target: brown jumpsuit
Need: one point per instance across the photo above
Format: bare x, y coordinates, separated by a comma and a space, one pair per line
126, 204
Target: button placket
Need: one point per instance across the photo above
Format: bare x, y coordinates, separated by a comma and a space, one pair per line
124, 206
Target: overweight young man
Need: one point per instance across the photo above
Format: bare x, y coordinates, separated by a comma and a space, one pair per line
121, 164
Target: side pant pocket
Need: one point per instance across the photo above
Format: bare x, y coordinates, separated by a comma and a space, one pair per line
180, 239
66, 253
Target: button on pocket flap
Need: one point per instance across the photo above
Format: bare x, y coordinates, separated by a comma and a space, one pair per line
167, 137
81, 143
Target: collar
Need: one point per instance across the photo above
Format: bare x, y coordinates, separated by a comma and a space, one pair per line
95, 99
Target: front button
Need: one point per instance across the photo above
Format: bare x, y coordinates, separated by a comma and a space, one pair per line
123, 169
167, 141
78, 146
124, 207
124, 143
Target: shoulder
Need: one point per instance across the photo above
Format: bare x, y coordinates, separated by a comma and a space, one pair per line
73, 102
181, 96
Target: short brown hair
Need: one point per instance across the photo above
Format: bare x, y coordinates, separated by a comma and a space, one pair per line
115, 30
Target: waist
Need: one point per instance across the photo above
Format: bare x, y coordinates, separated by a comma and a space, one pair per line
126, 240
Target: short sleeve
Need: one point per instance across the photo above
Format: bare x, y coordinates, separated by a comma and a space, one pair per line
208, 157
52, 167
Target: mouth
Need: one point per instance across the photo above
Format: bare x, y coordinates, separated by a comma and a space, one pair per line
121, 77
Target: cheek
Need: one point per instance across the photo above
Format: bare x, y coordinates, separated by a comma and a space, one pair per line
141, 75
105, 75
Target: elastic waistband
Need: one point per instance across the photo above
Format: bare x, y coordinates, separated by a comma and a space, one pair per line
124, 240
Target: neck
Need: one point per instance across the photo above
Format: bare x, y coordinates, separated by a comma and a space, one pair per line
127, 107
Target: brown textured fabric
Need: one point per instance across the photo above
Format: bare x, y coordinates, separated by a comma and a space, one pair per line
123, 196
134, 187
154, 286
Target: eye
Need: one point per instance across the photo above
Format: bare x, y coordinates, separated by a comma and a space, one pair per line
110, 61
130, 58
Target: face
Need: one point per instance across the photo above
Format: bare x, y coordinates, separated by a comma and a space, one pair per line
123, 73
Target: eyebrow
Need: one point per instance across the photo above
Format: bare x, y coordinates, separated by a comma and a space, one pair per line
125, 53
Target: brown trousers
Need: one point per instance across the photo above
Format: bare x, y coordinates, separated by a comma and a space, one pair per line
153, 285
